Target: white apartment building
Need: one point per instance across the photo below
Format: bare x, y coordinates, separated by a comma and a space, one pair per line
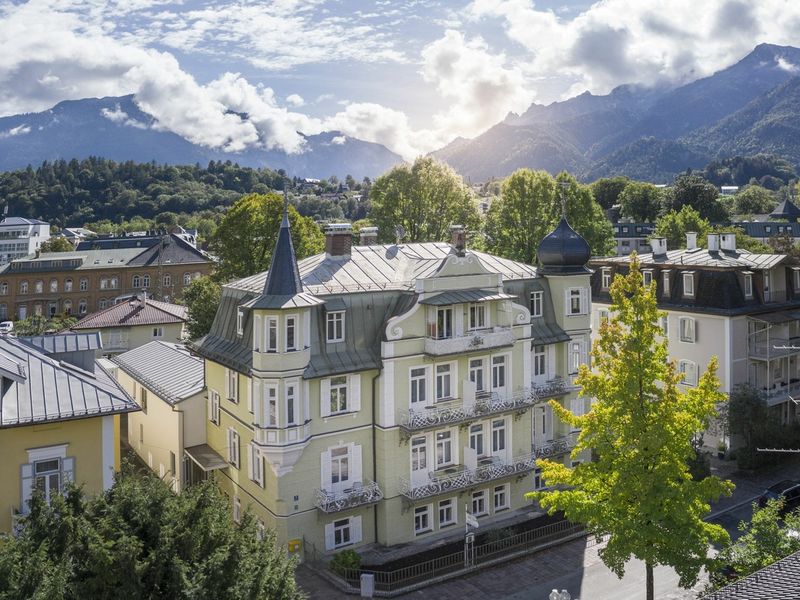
20, 237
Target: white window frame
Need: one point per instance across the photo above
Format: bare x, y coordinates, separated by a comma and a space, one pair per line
447, 509
603, 316
664, 324
605, 275
537, 304
478, 504
213, 403
748, 283
688, 290
271, 334
158, 332
688, 371
255, 464
270, 404
538, 482
423, 521
291, 401
478, 316
443, 391
795, 279
540, 360
232, 385
579, 294
500, 371
444, 324
239, 321
477, 438
444, 447
665, 291
647, 276
577, 355
687, 330
342, 533
418, 386
500, 430
504, 492
237, 509
338, 385
234, 447
290, 323
477, 372
334, 326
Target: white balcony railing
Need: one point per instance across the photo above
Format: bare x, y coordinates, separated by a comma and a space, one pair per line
473, 340
273, 436
360, 494
555, 447
773, 347
781, 393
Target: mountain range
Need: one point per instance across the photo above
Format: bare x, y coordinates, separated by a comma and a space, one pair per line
652, 134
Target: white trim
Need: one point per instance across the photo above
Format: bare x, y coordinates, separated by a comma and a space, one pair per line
108, 451
46, 452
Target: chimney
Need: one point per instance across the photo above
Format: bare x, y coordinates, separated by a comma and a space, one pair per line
458, 239
691, 240
728, 241
659, 246
142, 296
338, 239
368, 236
713, 242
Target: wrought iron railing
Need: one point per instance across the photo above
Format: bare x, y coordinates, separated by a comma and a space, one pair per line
556, 447
360, 494
470, 341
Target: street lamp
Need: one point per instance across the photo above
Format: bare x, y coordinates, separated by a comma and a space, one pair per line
562, 595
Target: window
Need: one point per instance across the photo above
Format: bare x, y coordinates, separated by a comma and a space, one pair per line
538, 482
255, 464
447, 513
419, 454
748, 283
141, 434
576, 301
47, 477
498, 372
239, 321
146, 281
237, 510
271, 405
444, 449
137, 281
213, 407
23, 287
68, 285
291, 334
158, 332
664, 322
665, 283
338, 398
687, 327
575, 356
104, 283
232, 385
688, 371
602, 316
795, 279
476, 439
233, 447
477, 316
53, 286
4, 288
271, 335
39, 286
606, 283
418, 381
539, 361
688, 284
102, 303
537, 300
501, 497
172, 461
476, 373
83, 284
143, 399
4, 310
340, 466
647, 277
291, 404
443, 382
444, 323
334, 326
187, 278
498, 436
342, 533
82, 307
479, 503
167, 279
114, 283
422, 519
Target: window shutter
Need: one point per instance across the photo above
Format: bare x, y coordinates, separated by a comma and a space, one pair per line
258, 417
227, 383
566, 302
26, 481
548, 412
329, 539
260, 468
251, 456
325, 397
257, 333
694, 330
356, 468
208, 404
249, 394
693, 371
551, 361
325, 468
230, 445
584, 301
68, 469
355, 392
355, 529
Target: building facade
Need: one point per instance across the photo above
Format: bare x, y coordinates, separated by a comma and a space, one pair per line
725, 302
376, 394
20, 237
632, 237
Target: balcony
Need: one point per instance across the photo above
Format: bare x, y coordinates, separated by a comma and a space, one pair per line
556, 447
773, 347
460, 477
274, 436
781, 393
480, 339
361, 494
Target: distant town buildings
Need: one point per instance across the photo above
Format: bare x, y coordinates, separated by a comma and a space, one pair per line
20, 237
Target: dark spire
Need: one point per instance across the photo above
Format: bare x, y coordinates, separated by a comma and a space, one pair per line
563, 251
283, 278
786, 210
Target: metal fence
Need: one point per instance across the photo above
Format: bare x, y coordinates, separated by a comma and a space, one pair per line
465, 560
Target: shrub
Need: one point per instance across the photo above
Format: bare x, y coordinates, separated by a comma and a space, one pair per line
346, 559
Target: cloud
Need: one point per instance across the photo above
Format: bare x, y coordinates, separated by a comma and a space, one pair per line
787, 66
14, 131
339, 140
119, 116
295, 100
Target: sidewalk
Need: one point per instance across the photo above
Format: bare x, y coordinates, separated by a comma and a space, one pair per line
750, 485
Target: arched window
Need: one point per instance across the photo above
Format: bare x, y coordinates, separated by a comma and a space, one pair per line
167, 280
82, 307
4, 288
53, 286
68, 285
84, 284
67, 307
3, 310
23, 287
39, 287
103, 303
146, 281
187, 278
114, 283
137, 281
104, 283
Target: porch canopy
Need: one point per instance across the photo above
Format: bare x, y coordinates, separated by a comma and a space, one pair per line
775, 318
205, 457
463, 296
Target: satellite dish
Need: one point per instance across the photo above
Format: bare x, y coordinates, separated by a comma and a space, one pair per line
399, 232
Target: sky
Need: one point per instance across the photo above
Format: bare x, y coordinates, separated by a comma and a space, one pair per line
409, 74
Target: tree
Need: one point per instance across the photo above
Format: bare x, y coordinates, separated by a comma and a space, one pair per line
245, 238
698, 193
674, 226
39, 324
426, 198
141, 540
753, 200
639, 491
641, 201
607, 190
202, 301
57, 244
530, 207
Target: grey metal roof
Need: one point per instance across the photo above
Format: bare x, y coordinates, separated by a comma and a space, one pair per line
778, 581
765, 229
277, 302
786, 210
283, 278
701, 257
65, 342
206, 457
169, 370
462, 296
54, 390
545, 333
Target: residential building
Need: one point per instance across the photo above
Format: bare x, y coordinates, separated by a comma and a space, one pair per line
167, 383
91, 279
134, 322
725, 302
632, 237
778, 581
377, 393
20, 237
76, 235
763, 231
728, 190
59, 420
786, 210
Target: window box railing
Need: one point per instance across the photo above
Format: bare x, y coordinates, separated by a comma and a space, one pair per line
479, 339
460, 477
555, 447
360, 494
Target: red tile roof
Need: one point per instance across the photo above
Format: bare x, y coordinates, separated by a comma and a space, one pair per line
130, 313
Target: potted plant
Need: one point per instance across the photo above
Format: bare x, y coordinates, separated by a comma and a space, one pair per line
721, 448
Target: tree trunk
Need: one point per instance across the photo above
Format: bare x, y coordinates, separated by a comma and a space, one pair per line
650, 591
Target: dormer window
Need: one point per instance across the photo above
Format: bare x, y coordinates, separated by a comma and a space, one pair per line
334, 326
688, 284
748, 284
606, 279
537, 301
665, 284
239, 322
477, 316
647, 277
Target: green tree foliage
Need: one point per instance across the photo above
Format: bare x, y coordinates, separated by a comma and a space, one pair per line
675, 224
741, 170
140, 540
57, 244
530, 208
202, 301
694, 191
641, 201
639, 490
426, 198
607, 190
753, 200
246, 236
39, 324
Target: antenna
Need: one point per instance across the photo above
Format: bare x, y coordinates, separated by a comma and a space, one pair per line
399, 233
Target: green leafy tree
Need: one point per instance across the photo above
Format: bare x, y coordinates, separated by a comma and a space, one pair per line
39, 324
694, 191
141, 540
675, 224
425, 198
641, 201
639, 491
246, 236
753, 200
607, 190
530, 207
57, 244
202, 301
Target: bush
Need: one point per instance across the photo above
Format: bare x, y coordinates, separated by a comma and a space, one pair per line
344, 560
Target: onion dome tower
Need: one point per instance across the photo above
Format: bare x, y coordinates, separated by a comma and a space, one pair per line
563, 251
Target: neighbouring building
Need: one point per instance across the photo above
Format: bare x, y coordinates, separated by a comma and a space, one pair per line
168, 384
721, 301
763, 231
59, 420
632, 237
20, 237
778, 581
76, 235
728, 190
98, 274
134, 322
377, 393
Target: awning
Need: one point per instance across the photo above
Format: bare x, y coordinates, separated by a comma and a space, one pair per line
205, 457
463, 296
547, 333
334, 304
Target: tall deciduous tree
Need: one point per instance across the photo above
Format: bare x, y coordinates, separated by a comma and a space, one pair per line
530, 207
639, 491
753, 200
641, 201
57, 244
425, 198
246, 236
675, 224
694, 191
607, 190
202, 301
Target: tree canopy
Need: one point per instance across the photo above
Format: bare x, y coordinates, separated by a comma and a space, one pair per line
694, 191
641, 201
607, 190
425, 198
675, 224
246, 236
202, 301
639, 491
57, 244
753, 200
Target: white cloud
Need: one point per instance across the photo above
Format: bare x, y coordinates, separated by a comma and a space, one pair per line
295, 100
787, 66
339, 140
14, 131
119, 116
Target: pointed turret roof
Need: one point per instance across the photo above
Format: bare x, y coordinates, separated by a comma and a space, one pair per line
786, 210
563, 251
